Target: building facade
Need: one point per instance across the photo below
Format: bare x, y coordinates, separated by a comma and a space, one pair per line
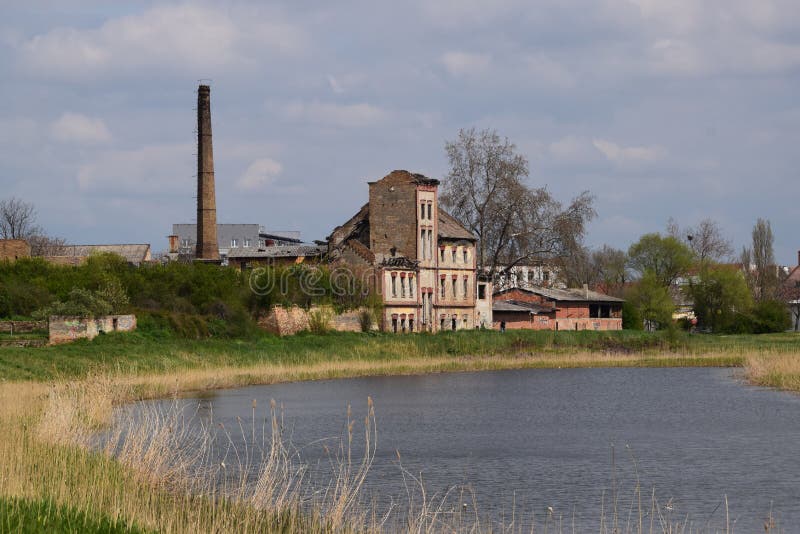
236, 238
540, 308
418, 257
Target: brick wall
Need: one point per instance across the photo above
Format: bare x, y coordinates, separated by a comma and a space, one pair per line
22, 327
393, 215
13, 249
289, 321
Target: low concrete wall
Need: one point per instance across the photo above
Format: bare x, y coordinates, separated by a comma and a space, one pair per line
66, 329
22, 327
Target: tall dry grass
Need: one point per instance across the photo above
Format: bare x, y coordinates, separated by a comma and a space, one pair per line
159, 470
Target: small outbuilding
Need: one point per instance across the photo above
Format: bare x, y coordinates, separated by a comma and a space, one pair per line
557, 309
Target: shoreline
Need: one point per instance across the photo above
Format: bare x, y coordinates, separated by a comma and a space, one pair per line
44, 456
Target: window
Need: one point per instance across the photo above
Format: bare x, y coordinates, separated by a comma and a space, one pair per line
465, 287
403, 325
402, 288
424, 308
247, 243
430, 244
441, 253
394, 285
394, 324
454, 287
442, 283
464, 319
545, 275
482, 291
530, 275
423, 245
466, 256
411, 325
411, 290
430, 217
261, 243
234, 243
454, 254
422, 211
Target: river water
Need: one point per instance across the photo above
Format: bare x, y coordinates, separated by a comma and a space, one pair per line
570, 440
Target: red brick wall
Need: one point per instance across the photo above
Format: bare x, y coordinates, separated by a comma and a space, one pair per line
393, 215
13, 249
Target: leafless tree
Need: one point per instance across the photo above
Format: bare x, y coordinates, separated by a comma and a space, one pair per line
758, 262
486, 191
17, 219
42, 245
706, 240
604, 269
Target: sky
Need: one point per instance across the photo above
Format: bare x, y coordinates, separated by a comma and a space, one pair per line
661, 108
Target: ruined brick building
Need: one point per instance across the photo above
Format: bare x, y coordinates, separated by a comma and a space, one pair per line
422, 260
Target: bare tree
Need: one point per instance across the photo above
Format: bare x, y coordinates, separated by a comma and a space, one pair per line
485, 190
706, 240
604, 269
42, 245
17, 219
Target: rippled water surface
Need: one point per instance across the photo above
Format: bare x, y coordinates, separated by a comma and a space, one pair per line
567, 439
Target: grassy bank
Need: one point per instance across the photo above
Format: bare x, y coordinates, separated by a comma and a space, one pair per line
156, 353
51, 398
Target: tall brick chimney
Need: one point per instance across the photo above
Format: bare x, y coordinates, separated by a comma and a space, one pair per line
207, 246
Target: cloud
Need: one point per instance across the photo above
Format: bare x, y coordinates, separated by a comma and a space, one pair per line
465, 64
261, 173
161, 169
627, 155
340, 115
79, 129
182, 37
548, 72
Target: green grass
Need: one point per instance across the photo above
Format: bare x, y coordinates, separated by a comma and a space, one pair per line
153, 352
44, 516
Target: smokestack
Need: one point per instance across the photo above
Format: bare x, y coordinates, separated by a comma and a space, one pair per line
207, 246
173, 243
798, 257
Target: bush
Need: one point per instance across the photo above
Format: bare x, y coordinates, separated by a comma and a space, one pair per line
631, 319
770, 316
319, 320
366, 320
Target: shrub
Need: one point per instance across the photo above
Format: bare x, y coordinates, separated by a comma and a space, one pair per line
366, 320
770, 316
319, 320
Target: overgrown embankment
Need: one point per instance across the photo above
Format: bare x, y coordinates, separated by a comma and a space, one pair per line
157, 352
48, 391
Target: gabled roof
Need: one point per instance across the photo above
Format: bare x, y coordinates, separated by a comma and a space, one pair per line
450, 228
565, 295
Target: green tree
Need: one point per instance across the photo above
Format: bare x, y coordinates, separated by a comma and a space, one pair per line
652, 301
666, 258
722, 300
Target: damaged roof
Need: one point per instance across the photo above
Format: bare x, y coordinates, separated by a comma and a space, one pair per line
520, 306
279, 251
565, 295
